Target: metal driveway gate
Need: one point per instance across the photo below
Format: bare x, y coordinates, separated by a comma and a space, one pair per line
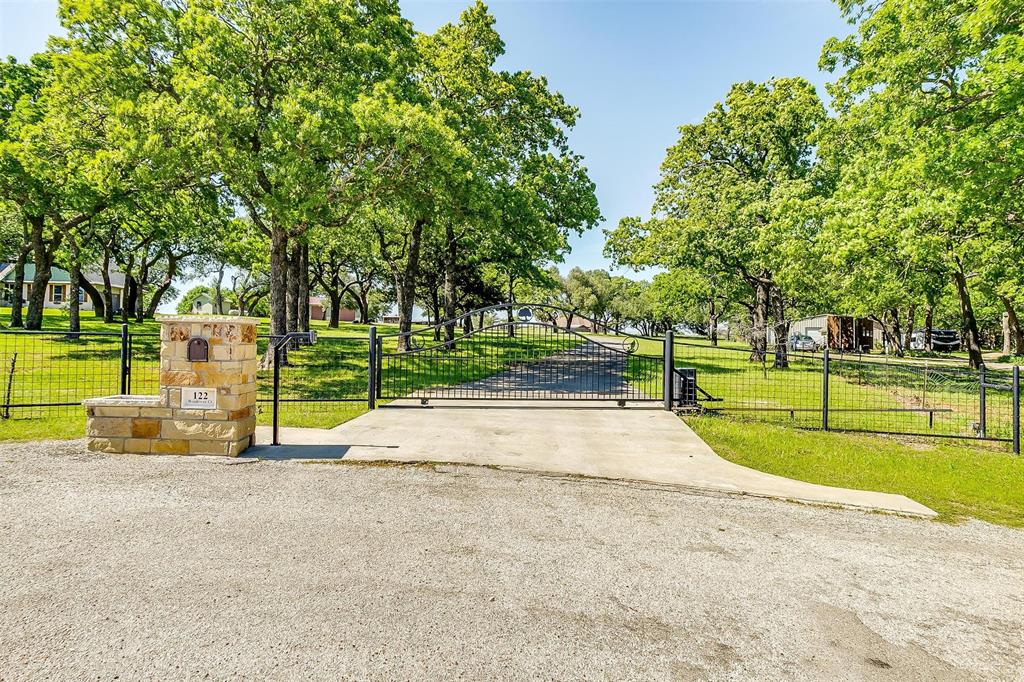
522, 352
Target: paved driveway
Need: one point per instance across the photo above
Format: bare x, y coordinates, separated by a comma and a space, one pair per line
637, 443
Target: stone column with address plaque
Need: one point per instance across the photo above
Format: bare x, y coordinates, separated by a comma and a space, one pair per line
207, 401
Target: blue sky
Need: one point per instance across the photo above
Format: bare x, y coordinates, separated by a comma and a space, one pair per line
636, 70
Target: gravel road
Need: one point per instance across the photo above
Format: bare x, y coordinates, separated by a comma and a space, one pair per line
170, 568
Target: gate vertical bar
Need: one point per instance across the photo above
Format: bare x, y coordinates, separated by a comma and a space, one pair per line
380, 364
124, 359
824, 390
276, 440
669, 370
371, 371
982, 412
1016, 410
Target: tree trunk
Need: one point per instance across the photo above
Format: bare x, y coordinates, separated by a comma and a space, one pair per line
511, 300
165, 284
335, 309
887, 342
435, 309
363, 301
140, 299
128, 296
759, 322
780, 327
712, 320
897, 338
75, 277
449, 283
108, 290
278, 291
405, 283
218, 291
94, 294
1007, 340
292, 289
278, 282
929, 316
303, 289
19, 289
908, 333
1013, 322
971, 335
74, 307
42, 255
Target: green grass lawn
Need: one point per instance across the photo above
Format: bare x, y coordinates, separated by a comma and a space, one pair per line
955, 479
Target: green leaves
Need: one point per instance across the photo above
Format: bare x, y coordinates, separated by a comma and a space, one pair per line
733, 189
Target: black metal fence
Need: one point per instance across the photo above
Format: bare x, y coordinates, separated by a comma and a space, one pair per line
310, 381
868, 393
324, 383
48, 374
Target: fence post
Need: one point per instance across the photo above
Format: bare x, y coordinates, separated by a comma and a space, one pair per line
371, 367
824, 390
1016, 410
125, 360
982, 412
669, 369
277, 390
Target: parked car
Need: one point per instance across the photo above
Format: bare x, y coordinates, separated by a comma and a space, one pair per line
943, 340
802, 342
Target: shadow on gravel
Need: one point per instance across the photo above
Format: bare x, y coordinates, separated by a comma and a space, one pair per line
284, 452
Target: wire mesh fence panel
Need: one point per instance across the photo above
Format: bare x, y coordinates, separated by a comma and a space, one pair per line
519, 360
778, 388
865, 393
144, 364
49, 374
908, 397
997, 417
322, 384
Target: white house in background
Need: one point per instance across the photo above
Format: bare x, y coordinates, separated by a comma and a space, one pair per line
58, 290
202, 304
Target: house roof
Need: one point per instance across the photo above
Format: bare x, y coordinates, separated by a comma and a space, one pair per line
59, 276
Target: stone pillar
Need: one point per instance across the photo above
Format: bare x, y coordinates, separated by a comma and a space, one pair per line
207, 402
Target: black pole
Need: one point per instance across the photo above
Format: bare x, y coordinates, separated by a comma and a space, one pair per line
124, 359
982, 412
277, 390
824, 390
1016, 410
371, 367
669, 369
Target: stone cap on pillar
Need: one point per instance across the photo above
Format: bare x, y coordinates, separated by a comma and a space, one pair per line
189, 319
215, 328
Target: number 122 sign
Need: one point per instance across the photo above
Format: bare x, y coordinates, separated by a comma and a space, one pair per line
199, 398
